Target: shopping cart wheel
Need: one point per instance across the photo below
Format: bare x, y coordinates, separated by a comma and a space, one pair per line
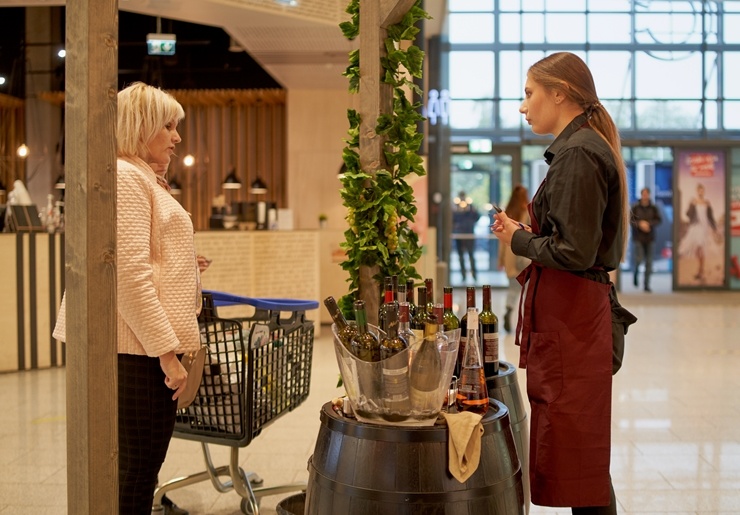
246, 506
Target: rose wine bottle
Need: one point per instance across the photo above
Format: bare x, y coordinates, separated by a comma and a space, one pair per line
472, 392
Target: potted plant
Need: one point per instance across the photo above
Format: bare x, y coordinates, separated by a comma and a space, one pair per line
322, 221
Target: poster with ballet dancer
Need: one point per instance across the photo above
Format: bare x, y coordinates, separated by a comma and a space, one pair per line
700, 220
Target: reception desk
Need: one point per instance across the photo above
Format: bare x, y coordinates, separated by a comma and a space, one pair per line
273, 264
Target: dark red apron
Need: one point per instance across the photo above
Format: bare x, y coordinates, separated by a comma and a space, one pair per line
565, 334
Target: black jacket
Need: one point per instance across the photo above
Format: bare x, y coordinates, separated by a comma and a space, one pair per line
648, 213
578, 207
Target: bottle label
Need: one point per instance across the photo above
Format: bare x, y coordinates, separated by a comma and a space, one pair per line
396, 384
490, 347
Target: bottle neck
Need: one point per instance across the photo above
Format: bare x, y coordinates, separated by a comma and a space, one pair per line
361, 319
336, 314
391, 328
388, 296
448, 302
403, 315
486, 298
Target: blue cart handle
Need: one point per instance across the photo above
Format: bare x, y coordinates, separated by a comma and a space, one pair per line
227, 299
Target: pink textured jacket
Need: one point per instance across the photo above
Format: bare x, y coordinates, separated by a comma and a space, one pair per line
156, 268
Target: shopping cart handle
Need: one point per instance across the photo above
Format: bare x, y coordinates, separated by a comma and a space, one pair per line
227, 299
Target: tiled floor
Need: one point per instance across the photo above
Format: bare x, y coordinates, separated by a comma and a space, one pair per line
676, 424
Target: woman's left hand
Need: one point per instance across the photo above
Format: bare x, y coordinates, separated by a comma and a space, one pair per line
176, 377
504, 227
203, 263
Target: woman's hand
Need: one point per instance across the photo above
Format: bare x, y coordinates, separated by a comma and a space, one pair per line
203, 263
176, 377
504, 227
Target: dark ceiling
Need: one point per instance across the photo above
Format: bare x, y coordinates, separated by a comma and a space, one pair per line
202, 59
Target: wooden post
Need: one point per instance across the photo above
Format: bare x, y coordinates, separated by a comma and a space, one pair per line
90, 211
376, 98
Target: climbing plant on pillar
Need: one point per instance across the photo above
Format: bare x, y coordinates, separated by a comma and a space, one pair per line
380, 203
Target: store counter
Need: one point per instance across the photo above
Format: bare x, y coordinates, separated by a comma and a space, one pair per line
271, 264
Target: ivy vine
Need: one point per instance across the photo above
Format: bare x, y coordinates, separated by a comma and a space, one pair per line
380, 206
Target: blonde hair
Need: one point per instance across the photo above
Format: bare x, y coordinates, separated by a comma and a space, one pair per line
142, 111
568, 74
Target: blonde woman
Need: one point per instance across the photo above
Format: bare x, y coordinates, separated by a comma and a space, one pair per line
158, 291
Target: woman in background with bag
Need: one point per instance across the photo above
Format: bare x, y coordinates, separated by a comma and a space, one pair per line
512, 264
158, 292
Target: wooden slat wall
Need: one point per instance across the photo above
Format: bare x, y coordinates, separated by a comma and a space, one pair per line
240, 127
12, 135
224, 128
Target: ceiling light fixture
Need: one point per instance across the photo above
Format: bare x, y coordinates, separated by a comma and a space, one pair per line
231, 182
258, 187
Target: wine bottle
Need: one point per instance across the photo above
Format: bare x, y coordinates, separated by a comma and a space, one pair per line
418, 323
410, 298
389, 302
395, 380
489, 334
404, 324
425, 373
439, 314
401, 294
450, 319
469, 303
429, 284
365, 346
345, 331
392, 343
472, 392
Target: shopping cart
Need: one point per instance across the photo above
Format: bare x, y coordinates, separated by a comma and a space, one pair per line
257, 368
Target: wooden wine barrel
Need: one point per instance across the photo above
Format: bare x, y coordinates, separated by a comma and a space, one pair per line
360, 469
505, 388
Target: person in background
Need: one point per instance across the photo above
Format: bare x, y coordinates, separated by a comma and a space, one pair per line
579, 229
645, 216
158, 292
512, 264
464, 218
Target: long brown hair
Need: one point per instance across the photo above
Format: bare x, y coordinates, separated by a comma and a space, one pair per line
517, 205
568, 74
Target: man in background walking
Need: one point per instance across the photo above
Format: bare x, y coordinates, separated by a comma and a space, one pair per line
645, 216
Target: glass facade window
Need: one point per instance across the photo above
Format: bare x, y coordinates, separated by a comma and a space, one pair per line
472, 28
471, 75
731, 71
663, 66
565, 28
468, 114
668, 74
609, 28
470, 5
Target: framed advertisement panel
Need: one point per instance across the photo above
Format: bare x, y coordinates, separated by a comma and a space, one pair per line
700, 220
